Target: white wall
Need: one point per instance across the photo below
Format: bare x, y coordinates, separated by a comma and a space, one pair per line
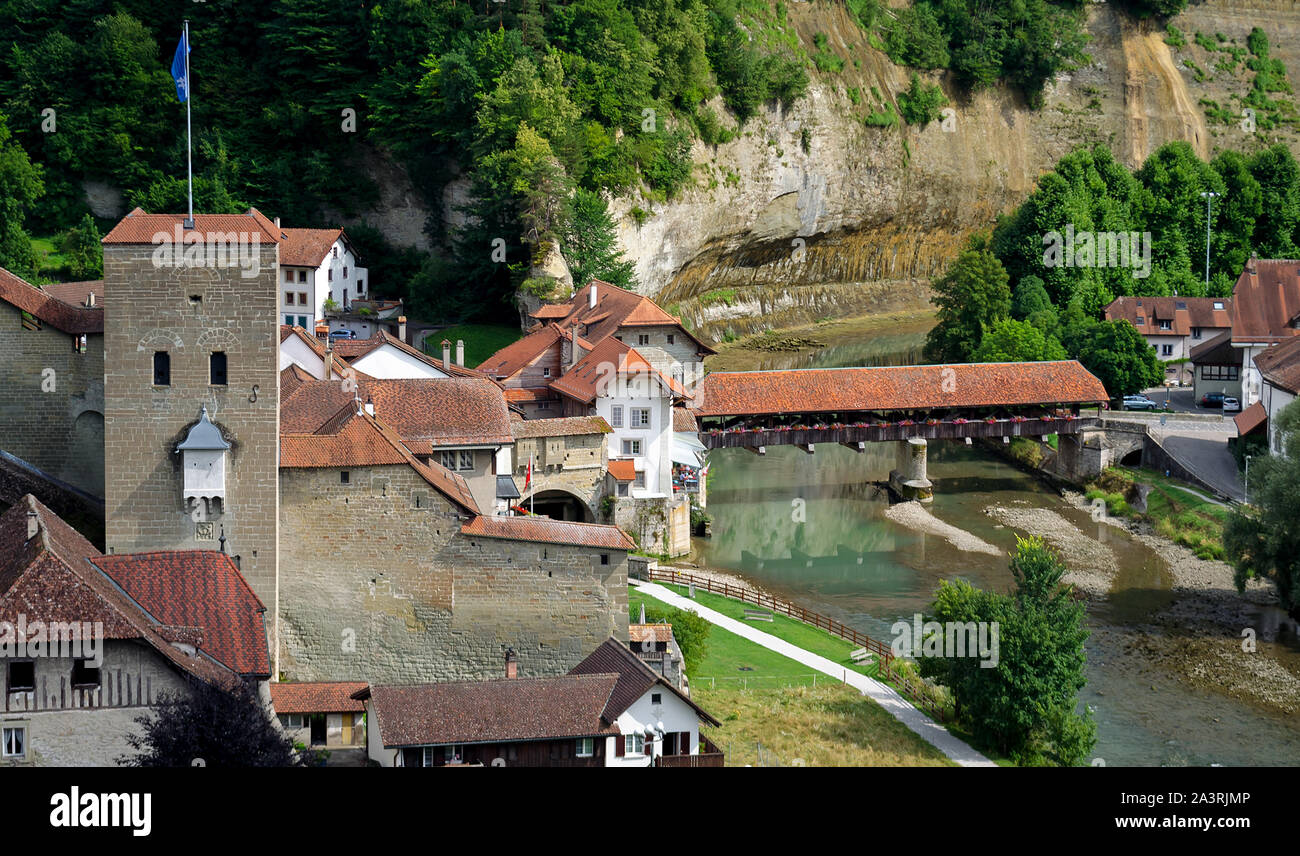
1275, 400
294, 351
387, 362
675, 714
641, 391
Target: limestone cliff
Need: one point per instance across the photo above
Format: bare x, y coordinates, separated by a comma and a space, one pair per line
865, 217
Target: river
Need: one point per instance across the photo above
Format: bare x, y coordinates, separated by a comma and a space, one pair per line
812, 528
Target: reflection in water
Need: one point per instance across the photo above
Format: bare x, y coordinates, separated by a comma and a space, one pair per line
812, 528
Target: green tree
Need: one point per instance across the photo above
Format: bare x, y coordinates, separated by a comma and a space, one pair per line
1029, 296
80, 246
1117, 354
20, 187
590, 245
690, 630
973, 292
1011, 341
920, 104
1262, 539
1025, 703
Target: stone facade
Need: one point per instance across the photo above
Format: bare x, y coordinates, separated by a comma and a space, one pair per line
69, 727
52, 412
574, 464
378, 584
190, 313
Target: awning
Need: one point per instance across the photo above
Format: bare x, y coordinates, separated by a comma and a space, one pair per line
506, 488
687, 449
1251, 418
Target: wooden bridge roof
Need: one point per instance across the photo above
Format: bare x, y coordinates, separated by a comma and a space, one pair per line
848, 390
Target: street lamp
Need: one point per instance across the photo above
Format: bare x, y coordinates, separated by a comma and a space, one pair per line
1209, 197
1248, 457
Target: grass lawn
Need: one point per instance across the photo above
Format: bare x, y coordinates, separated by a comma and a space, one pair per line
1176, 512
830, 726
766, 699
481, 340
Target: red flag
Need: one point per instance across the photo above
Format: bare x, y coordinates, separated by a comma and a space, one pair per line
528, 479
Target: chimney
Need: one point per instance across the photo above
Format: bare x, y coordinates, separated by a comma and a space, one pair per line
446, 353
460, 352
370, 406
591, 296
329, 359
512, 664
277, 222
90, 300
33, 525
401, 328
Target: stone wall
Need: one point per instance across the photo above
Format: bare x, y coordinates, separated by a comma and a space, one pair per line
52, 412
376, 586
190, 313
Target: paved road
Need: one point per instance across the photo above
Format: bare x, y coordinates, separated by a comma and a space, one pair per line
1181, 400
884, 695
1206, 454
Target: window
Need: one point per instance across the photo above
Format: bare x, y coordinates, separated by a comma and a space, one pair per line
543, 405
329, 274
604, 558
1141, 321
672, 339
302, 298
643, 339
288, 319
288, 298
427, 756
15, 741
361, 286
631, 447
79, 344
639, 481
1165, 325
30, 321
1196, 332
345, 477
656, 698
1166, 350
302, 276
291, 720
586, 747
453, 754
302, 321
1220, 372
546, 372
288, 276
466, 460
1218, 305
162, 368
217, 368
634, 744
336, 251
345, 271
447, 459
622, 488
22, 676
640, 417
83, 675
616, 416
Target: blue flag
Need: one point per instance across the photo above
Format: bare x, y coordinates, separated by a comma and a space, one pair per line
178, 69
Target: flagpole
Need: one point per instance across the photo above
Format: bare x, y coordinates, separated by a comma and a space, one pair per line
530, 478
189, 147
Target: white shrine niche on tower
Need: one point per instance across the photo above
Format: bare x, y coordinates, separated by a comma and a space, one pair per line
203, 459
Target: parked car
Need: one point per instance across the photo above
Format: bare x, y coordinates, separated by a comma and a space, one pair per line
1231, 405
343, 334
1138, 402
1212, 399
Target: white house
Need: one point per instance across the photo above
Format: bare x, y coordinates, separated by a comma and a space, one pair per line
1279, 369
609, 711
317, 265
1266, 312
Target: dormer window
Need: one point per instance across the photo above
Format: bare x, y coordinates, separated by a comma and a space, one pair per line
203, 458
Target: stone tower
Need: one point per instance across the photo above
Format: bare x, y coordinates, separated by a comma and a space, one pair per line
191, 360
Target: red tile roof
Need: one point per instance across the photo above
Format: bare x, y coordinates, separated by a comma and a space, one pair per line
566, 426
684, 421
616, 308
1217, 351
518, 395
1182, 313
1266, 301
635, 679
896, 388
307, 247
48, 308
76, 293
608, 360
1280, 365
649, 633
518, 354
198, 588
1250, 418
624, 470
440, 412
317, 697
545, 530
51, 576
505, 710
139, 227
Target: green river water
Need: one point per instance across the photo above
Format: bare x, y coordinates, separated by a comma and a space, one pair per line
797, 524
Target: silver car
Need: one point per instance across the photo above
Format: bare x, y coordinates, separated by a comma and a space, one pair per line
1231, 405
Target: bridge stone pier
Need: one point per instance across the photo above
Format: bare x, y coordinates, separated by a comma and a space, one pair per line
908, 479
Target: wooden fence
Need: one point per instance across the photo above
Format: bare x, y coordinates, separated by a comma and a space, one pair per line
912, 689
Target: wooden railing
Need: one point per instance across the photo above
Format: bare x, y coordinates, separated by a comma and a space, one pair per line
708, 756
913, 690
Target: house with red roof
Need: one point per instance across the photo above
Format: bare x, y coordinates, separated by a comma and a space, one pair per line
1279, 371
1266, 312
89, 642
321, 714
1173, 326
610, 710
316, 266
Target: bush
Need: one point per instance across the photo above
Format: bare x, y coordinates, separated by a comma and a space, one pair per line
690, 630
922, 103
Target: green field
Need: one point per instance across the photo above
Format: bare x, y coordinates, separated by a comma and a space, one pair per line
481, 340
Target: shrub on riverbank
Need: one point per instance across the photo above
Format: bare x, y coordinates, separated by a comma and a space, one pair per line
1174, 513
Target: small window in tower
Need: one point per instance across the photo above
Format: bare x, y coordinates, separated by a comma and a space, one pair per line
344, 477
162, 368
217, 368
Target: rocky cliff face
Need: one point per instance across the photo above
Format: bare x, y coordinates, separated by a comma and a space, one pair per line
774, 234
